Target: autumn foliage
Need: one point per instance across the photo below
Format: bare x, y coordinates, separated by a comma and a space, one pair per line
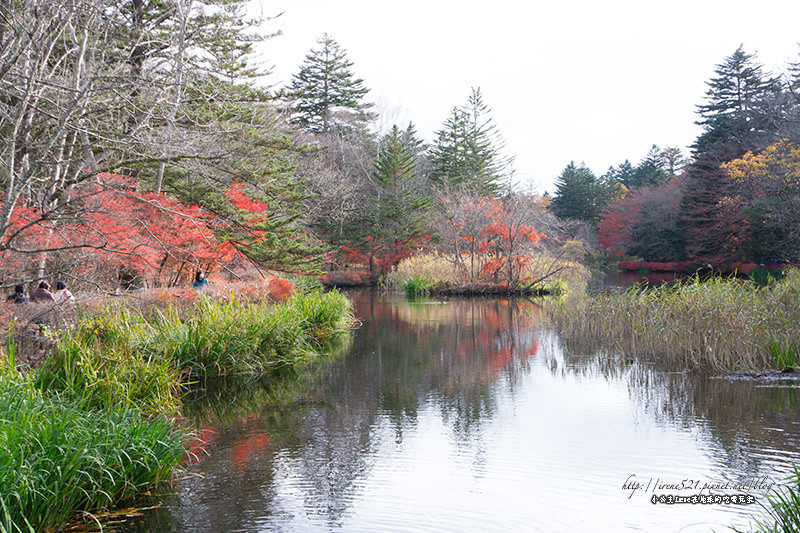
644, 223
489, 239
279, 289
112, 231
379, 257
767, 190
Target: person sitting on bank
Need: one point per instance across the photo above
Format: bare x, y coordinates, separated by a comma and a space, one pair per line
19, 296
62, 294
199, 280
42, 294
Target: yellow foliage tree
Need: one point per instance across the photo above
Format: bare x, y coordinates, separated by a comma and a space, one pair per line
769, 185
775, 169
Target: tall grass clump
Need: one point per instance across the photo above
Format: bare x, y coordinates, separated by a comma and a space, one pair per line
783, 353
716, 324
424, 271
108, 361
59, 456
234, 338
216, 339
307, 284
418, 285
782, 508
322, 316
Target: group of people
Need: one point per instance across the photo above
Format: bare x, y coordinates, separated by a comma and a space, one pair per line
62, 294
42, 294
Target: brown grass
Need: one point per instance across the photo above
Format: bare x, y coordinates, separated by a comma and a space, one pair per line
717, 325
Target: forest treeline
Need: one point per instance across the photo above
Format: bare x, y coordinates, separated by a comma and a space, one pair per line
139, 146
734, 199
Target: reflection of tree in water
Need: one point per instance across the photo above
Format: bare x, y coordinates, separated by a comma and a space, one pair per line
406, 357
753, 422
450, 353
454, 357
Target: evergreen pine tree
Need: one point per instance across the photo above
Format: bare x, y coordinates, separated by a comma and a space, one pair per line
578, 195
736, 118
650, 170
324, 86
467, 149
738, 109
397, 211
624, 173
395, 163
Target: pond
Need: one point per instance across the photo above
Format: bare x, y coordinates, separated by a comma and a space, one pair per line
469, 415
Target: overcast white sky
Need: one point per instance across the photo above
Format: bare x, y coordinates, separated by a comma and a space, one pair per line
594, 81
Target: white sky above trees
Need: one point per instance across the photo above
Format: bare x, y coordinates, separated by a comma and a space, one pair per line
583, 80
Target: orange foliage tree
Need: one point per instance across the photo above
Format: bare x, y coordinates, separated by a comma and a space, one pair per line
488, 239
615, 227
112, 231
508, 240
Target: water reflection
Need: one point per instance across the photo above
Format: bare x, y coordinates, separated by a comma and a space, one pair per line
612, 280
735, 413
464, 415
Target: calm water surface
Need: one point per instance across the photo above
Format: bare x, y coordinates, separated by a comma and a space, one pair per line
470, 415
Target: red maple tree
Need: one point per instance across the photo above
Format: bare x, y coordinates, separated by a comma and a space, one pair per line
113, 229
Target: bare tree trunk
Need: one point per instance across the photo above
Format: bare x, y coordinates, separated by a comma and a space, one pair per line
177, 91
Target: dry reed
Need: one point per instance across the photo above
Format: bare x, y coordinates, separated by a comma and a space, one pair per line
717, 325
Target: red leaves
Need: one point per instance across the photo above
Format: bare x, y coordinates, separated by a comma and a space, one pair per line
384, 256
113, 226
149, 229
615, 226
280, 289
244, 202
506, 238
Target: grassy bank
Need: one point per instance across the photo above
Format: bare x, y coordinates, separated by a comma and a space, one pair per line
60, 456
716, 325
96, 422
118, 358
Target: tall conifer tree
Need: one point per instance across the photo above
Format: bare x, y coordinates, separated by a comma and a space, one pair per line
324, 85
578, 194
467, 150
736, 118
395, 163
